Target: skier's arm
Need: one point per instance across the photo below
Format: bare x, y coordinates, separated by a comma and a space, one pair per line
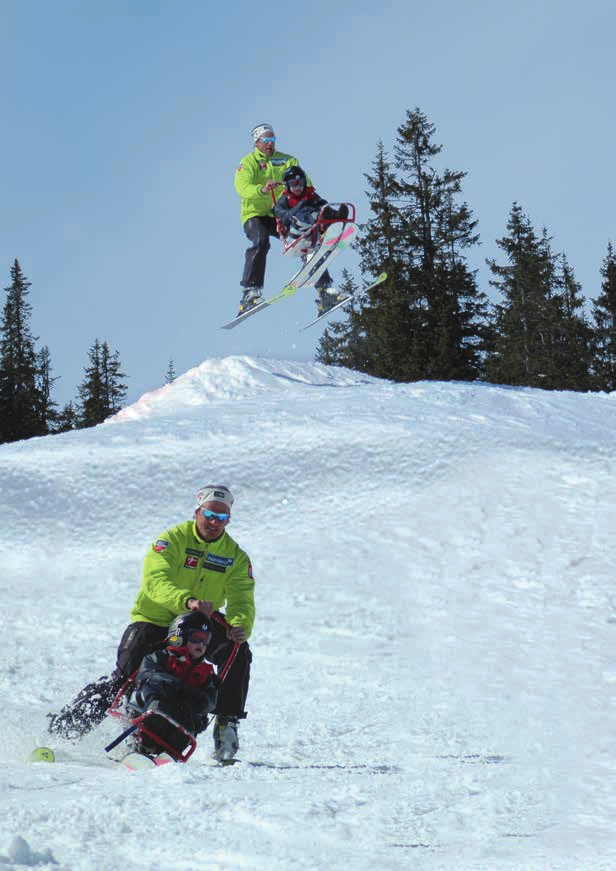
154, 681
161, 576
205, 698
283, 211
250, 181
240, 595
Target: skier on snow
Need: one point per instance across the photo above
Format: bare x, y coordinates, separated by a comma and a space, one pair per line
179, 681
194, 566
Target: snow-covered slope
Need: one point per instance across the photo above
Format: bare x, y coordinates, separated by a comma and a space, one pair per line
433, 655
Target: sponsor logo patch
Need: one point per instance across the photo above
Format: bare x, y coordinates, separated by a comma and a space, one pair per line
191, 562
263, 164
250, 574
161, 545
215, 563
240, 167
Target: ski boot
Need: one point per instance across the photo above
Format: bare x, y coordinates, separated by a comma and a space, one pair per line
226, 741
328, 298
250, 298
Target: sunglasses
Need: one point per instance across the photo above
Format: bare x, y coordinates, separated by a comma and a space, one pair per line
268, 139
196, 636
213, 515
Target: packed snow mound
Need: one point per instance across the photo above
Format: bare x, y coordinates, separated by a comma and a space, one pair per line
233, 378
434, 670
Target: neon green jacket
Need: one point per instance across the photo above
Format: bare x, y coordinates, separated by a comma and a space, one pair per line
250, 176
180, 565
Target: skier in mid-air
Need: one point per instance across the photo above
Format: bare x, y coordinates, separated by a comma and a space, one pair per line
257, 176
298, 210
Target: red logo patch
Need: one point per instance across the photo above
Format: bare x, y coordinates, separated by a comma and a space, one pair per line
191, 562
161, 545
240, 167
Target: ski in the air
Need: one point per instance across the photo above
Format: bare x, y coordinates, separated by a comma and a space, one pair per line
335, 240
378, 280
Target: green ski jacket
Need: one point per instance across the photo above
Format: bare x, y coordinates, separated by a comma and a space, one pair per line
250, 176
179, 565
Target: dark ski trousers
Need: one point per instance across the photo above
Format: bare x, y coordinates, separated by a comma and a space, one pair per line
140, 639
258, 230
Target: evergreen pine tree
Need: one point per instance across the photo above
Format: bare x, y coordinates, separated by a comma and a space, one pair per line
572, 339
21, 403
66, 419
542, 339
170, 373
92, 407
47, 408
338, 346
116, 389
521, 321
428, 319
102, 390
604, 314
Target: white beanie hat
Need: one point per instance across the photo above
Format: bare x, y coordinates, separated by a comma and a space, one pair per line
215, 493
259, 130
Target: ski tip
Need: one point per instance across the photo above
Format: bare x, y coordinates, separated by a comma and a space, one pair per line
238, 319
42, 754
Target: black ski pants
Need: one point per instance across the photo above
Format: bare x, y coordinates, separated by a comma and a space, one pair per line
258, 230
139, 639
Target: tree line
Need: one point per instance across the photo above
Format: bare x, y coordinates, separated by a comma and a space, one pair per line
26, 405
430, 319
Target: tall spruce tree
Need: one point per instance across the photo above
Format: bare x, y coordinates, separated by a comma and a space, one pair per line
363, 342
170, 373
541, 336
604, 314
22, 403
47, 408
572, 337
428, 319
67, 418
102, 390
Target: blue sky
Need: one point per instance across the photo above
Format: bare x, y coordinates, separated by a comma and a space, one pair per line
123, 123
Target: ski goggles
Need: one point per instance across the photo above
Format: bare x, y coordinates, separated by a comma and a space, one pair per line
213, 515
198, 636
267, 139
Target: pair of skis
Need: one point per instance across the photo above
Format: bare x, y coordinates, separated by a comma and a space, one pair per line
336, 239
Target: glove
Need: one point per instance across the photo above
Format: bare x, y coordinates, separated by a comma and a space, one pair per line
270, 185
212, 681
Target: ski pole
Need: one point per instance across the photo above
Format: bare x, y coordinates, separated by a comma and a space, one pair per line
121, 737
281, 231
236, 646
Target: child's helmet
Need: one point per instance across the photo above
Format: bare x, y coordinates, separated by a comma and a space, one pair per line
184, 625
293, 172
